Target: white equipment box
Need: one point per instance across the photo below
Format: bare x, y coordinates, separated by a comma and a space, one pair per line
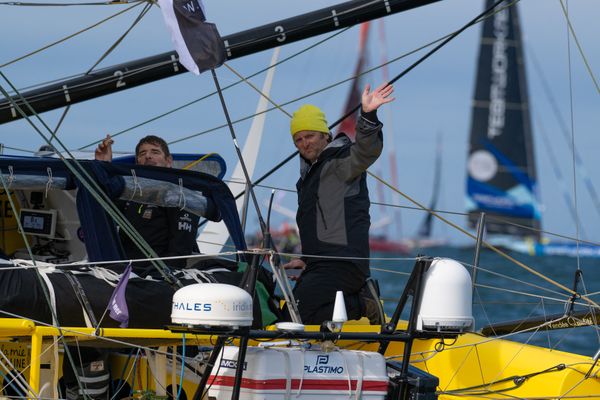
294, 373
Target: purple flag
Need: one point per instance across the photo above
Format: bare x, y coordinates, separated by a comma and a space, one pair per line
117, 303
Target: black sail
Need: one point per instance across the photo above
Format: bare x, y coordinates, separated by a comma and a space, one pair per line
501, 173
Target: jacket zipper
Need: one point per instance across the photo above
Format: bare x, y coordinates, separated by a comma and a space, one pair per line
321, 212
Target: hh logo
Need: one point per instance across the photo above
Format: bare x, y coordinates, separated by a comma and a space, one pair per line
184, 226
322, 359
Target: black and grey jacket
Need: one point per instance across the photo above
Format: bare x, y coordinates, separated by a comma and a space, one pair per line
333, 199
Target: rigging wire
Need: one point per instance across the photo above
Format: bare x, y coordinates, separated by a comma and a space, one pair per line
94, 3
92, 186
579, 47
571, 31
240, 76
16, 149
448, 222
89, 183
71, 35
517, 381
185, 105
487, 244
439, 211
102, 57
323, 89
488, 12
306, 95
558, 174
224, 254
91, 84
573, 164
103, 80
581, 168
386, 259
116, 341
549, 233
39, 277
133, 72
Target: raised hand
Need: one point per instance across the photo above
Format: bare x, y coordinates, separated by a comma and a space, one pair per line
371, 101
104, 150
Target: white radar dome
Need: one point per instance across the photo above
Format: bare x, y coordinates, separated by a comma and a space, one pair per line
446, 298
212, 304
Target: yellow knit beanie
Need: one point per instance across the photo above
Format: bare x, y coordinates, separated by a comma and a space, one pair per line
309, 118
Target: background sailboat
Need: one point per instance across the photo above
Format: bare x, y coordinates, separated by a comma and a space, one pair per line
502, 178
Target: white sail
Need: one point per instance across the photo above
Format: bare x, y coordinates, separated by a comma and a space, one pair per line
214, 236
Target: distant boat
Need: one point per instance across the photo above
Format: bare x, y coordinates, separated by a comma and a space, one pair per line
423, 238
382, 244
501, 171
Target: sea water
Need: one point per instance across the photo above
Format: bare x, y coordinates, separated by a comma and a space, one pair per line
506, 291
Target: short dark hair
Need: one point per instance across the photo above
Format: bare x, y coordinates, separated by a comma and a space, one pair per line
155, 140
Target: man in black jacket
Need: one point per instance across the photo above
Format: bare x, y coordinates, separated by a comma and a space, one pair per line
169, 231
333, 209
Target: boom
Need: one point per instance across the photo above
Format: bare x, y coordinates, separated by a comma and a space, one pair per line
138, 72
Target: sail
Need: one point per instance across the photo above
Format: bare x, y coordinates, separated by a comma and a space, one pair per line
348, 125
214, 236
501, 178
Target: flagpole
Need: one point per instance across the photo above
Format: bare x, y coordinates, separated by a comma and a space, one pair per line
261, 221
201, 48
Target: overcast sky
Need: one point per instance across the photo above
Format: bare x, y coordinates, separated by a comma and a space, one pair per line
433, 99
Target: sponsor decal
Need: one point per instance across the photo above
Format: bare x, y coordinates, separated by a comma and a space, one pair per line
245, 306
192, 306
572, 322
184, 226
228, 363
322, 366
482, 165
499, 75
17, 353
322, 359
489, 201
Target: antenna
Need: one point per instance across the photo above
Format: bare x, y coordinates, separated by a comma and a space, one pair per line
339, 313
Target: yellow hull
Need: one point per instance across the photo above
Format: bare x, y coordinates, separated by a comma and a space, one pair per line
472, 367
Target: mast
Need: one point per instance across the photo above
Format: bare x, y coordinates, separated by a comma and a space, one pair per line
427, 224
501, 173
131, 74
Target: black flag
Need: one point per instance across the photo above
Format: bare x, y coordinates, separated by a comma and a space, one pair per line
197, 42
